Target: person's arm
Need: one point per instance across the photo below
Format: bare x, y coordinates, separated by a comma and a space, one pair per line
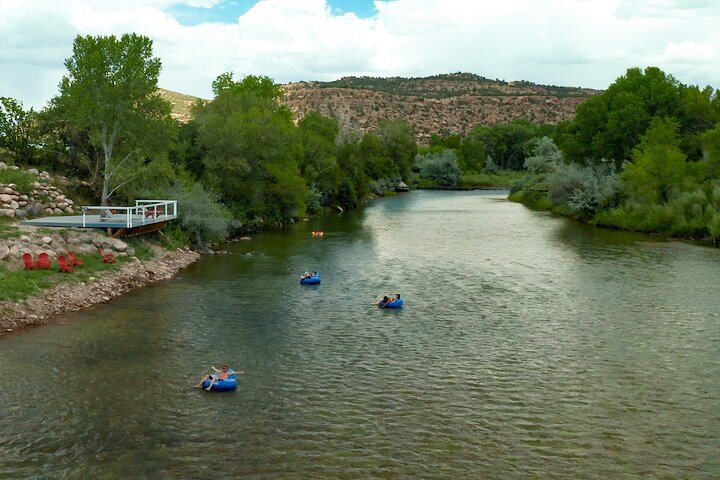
214, 369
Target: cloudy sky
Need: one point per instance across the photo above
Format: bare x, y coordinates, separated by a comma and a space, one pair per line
585, 43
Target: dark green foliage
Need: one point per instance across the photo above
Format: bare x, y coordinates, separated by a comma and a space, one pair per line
251, 150
610, 125
506, 143
18, 131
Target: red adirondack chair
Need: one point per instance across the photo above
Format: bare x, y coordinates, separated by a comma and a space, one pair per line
27, 260
43, 261
63, 264
107, 257
75, 261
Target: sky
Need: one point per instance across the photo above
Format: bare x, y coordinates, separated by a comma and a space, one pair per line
581, 43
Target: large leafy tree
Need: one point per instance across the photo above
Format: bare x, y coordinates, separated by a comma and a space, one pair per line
18, 129
110, 91
318, 163
610, 125
251, 149
398, 144
506, 143
658, 166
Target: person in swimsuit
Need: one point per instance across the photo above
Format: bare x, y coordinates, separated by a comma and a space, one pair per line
222, 374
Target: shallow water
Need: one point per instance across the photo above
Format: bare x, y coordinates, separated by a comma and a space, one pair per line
530, 346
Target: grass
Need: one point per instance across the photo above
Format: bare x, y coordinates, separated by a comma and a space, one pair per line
142, 250
21, 284
9, 228
22, 179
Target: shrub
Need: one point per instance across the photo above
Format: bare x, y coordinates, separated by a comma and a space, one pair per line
546, 158
201, 215
441, 167
584, 189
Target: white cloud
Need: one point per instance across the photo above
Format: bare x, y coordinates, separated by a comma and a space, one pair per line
562, 42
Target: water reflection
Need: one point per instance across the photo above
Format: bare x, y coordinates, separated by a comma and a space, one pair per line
530, 346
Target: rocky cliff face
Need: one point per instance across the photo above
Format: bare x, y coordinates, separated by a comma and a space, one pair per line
451, 103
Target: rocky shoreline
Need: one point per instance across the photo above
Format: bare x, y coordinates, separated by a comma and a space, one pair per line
63, 298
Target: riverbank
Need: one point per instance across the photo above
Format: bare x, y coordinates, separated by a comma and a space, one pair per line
101, 288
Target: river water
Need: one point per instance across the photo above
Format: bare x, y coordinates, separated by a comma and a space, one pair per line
530, 346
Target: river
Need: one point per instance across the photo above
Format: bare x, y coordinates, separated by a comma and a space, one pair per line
530, 346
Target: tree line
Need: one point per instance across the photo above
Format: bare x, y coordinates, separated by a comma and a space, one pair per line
643, 155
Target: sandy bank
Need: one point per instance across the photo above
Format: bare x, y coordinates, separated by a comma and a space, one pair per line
68, 297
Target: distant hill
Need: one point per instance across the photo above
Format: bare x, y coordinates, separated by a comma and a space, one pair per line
453, 103
181, 103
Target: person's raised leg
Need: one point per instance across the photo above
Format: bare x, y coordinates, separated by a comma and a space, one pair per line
199, 385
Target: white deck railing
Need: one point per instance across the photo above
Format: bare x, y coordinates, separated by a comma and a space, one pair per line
144, 212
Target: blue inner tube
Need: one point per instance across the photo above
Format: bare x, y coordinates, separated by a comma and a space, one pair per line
314, 280
227, 385
396, 304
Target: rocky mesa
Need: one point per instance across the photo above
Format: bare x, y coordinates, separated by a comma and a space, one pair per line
452, 103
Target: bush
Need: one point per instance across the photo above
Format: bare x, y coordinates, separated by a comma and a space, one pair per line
441, 167
201, 215
546, 158
584, 189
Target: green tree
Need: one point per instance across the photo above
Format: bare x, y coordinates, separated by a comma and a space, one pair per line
506, 143
318, 163
610, 125
251, 149
399, 145
658, 164
110, 91
18, 129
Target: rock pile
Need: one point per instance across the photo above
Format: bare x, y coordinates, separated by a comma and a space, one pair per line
36, 242
43, 199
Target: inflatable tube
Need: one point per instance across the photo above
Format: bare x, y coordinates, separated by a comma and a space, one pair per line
227, 385
396, 304
314, 280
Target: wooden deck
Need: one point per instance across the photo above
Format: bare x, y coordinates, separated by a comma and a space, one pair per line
145, 216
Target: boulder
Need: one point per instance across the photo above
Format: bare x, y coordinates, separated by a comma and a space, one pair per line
7, 212
5, 198
130, 251
34, 171
47, 240
69, 210
14, 252
62, 205
21, 213
3, 166
25, 239
13, 167
14, 205
57, 211
48, 211
4, 251
117, 244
